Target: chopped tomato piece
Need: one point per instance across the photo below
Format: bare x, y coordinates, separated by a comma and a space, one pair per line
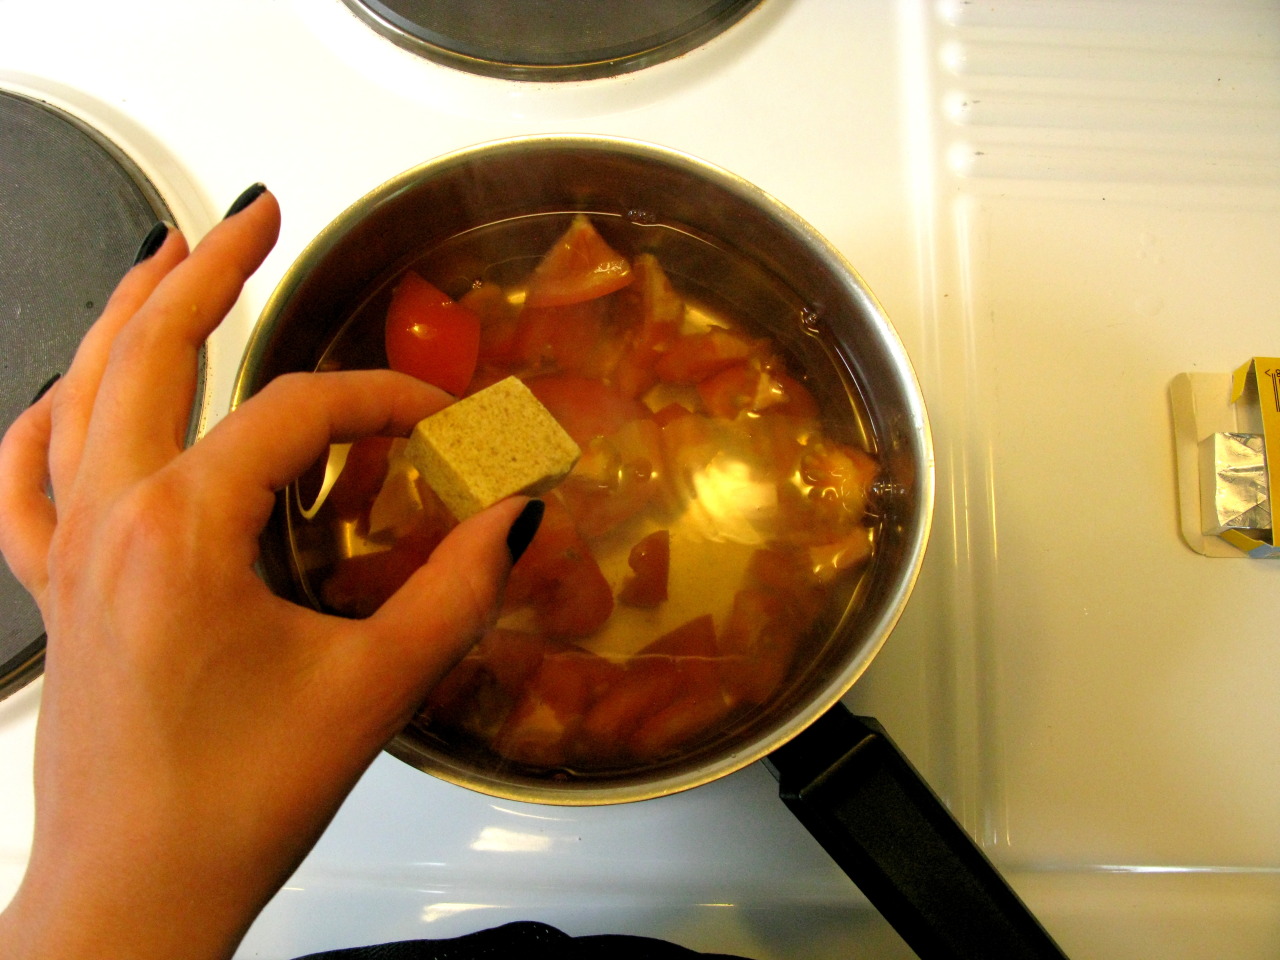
651, 302
788, 575
644, 689
689, 443
696, 356
454, 699
840, 476
585, 407
511, 656
674, 725
499, 320
542, 727
616, 477
829, 559
560, 579
653, 313
746, 386
797, 400
360, 585
479, 693
759, 643
486, 375
576, 339
577, 599
778, 570
430, 336
650, 560
670, 412
692, 649
668, 692
778, 442
696, 638
580, 266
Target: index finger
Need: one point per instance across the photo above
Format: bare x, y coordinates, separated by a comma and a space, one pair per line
270, 439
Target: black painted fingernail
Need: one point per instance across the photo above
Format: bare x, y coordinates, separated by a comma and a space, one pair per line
525, 528
152, 242
246, 198
48, 385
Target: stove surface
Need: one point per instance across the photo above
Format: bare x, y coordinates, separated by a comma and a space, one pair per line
1061, 208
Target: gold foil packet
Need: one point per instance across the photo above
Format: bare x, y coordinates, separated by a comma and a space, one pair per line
1227, 446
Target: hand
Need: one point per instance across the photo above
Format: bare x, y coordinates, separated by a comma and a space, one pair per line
196, 732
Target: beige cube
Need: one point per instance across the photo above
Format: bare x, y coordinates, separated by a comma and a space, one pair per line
497, 442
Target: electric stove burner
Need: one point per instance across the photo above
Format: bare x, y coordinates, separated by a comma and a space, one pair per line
73, 209
550, 39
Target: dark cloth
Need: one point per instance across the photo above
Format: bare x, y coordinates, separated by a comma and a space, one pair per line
523, 940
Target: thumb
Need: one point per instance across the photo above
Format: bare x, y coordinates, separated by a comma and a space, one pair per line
448, 604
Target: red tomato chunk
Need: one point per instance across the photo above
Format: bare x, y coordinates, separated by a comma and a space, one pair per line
430, 336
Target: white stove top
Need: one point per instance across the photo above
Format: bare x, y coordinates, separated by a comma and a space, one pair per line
1061, 207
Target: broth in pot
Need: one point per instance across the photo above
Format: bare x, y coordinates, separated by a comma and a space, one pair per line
682, 570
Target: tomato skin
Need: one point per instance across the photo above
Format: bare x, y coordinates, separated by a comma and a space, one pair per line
650, 560
579, 266
430, 336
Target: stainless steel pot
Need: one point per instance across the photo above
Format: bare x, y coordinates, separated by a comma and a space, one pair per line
774, 267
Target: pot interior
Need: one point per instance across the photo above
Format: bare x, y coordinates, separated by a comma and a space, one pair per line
489, 213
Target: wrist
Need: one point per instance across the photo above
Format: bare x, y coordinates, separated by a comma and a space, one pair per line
56, 917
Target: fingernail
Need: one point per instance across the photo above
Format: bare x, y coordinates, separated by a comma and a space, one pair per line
246, 198
152, 242
48, 385
525, 528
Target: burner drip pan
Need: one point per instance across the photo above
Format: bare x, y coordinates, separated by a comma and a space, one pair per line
73, 209
547, 40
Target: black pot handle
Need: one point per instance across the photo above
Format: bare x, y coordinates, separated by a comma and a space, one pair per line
852, 788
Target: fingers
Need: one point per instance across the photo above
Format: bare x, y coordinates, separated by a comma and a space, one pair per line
275, 435
144, 399
29, 516
444, 608
78, 388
